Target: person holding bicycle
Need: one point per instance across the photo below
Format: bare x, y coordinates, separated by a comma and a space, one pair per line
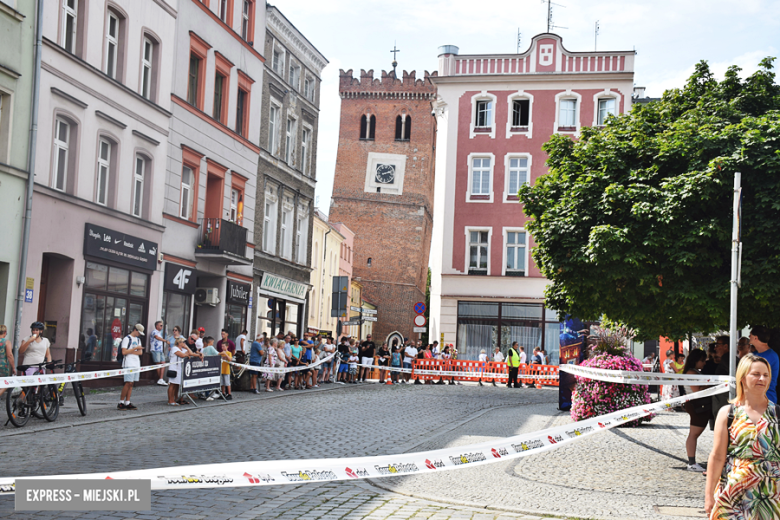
6, 356
34, 348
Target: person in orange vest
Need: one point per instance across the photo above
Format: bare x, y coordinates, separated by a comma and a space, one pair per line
512, 364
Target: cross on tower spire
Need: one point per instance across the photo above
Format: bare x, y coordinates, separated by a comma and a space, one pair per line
394, 51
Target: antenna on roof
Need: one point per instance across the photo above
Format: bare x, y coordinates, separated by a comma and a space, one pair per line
550, 24
596, 37
519, 39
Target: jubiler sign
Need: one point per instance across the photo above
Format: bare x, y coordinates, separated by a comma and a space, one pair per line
283, 286
238, 293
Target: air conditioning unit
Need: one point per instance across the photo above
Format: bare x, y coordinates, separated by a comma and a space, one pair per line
206, 296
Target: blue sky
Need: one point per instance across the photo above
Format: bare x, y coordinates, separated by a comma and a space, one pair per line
670, 37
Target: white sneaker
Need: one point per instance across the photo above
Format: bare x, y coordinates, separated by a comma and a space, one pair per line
162, 382
209, 399
696, 468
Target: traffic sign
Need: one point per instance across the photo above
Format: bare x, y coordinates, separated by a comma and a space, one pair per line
353, 308
419, 307
369, 311
419, 321
369, 318
351, 322
420, 329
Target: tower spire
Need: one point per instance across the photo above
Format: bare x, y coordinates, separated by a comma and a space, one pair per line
395, 63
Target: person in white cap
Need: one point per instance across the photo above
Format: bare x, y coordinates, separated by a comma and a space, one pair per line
131, 352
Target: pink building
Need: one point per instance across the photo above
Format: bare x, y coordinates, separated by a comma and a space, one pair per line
494, 113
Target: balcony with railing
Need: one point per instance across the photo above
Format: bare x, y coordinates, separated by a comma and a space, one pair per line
222, 241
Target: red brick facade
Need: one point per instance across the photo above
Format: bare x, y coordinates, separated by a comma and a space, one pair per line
391, 229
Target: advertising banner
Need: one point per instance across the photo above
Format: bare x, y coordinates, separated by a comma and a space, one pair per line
201, 376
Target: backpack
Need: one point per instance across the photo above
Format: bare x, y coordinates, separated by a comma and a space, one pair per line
119, 356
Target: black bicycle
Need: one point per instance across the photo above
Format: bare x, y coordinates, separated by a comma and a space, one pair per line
78, 390
41, 401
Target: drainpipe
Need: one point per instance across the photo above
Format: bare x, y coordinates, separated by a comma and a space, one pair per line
322, 269
21, 285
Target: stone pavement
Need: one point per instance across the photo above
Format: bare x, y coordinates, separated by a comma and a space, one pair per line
624, 473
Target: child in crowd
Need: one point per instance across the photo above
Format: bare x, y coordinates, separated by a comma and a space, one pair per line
395, 362
225, 373
353, 368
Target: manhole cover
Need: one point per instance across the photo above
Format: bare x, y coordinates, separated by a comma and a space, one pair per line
693, 512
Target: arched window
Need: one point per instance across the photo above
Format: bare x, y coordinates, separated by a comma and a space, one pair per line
369, 262
403, 128
367, 126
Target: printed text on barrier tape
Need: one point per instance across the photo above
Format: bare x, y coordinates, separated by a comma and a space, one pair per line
45, 379
260, 473
642, 378
274, 370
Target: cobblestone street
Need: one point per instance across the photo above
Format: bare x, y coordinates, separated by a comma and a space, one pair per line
622, 473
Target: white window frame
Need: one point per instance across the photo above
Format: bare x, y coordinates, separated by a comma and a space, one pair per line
245, 20
568, 95
270, 212
306, 149
607, 94
468, 231
282, 54
111, 40
294, 75
73, 13
61, 145
507, 162
290, 132
483, 96
185, 209
223, 11
308, 88
274, 119
505, 232
147, 68
519, 95
469, 193
302, 234
233, 205
103, 171
138, 186
285, 229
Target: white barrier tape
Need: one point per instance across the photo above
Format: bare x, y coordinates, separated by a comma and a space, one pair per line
44, 379
268, 473
643, 378
285, 370
457, 373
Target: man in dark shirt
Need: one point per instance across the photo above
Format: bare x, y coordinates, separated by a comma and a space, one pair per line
343, 356
367, 349
191, 341
720, 400
231, 346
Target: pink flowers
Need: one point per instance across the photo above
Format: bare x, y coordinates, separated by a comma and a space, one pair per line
592, 398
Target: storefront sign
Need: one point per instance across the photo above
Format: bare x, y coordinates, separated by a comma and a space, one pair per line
238, 292
283, 286
200, 376
108, 244
180, 278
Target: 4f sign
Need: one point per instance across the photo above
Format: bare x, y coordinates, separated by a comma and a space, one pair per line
182, 278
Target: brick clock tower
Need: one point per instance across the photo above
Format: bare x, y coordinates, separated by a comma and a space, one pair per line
383, 191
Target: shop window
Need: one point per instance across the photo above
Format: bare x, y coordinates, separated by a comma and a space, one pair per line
139, 283
118, 280
176, 311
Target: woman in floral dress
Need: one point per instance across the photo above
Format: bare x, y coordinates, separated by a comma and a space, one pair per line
743, 481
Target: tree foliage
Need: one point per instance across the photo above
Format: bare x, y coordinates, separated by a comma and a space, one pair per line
634, 219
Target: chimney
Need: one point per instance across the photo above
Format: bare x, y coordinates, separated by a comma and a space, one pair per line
639, 92
447, 55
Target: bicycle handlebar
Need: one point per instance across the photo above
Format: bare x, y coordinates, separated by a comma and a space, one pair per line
47, 364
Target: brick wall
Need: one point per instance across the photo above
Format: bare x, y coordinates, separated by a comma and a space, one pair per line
393, 230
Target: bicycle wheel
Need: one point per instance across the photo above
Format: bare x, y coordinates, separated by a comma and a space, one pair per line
50, 402
16, 406
78, 391
34, 401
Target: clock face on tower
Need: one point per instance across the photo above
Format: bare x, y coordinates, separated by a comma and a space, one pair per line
385, 173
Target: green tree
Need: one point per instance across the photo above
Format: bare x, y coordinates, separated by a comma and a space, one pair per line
633, 221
